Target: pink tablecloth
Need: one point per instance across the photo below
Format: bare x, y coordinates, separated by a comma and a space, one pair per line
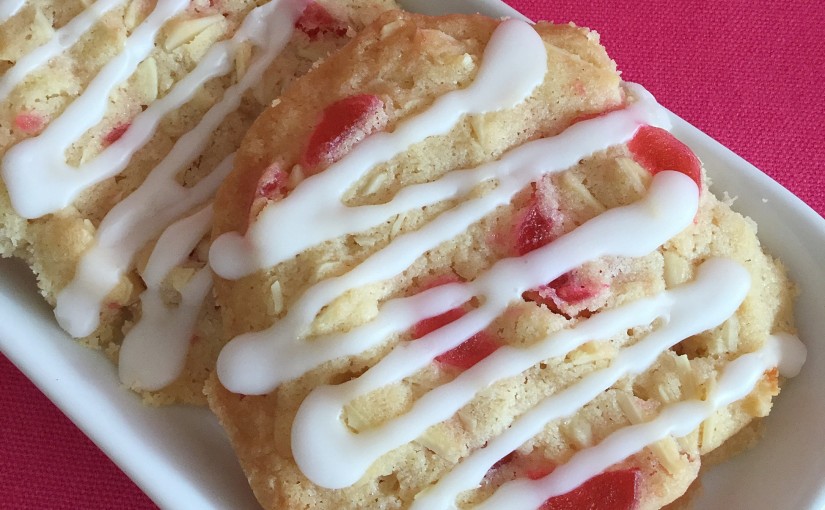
749, 73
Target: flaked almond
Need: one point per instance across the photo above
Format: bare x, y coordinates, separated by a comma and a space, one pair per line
185, 30
578, 432
145, 81
375, 183
579, 192
666, 450
277, 298
178, 277
41, 27
677, 269
686, 376
478, 125
296, 175
243, 56
358, 416
634, 174
592, 352
442, 440
134, 14
390, 28
206, 38
398, 224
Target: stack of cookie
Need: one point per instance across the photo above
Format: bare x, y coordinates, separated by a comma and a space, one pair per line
409, 261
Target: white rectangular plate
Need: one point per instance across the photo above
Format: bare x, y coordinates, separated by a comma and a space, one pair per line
181, 459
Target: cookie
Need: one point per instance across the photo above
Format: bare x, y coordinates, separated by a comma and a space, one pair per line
119, 120
464, 264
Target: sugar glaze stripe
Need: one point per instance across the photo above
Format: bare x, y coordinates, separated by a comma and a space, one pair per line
63, 39
162, 329
159, 200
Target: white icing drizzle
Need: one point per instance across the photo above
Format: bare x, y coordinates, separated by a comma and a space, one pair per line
719, 288
131, 224
31, 199
160, 199
516, 169
514, 64
332, 456
41, 159
62, 39
251, 363
259, 352
153, 353
737, 381
324, 448
327, 452
9, 8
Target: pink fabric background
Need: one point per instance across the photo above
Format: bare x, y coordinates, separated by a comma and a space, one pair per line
748, 73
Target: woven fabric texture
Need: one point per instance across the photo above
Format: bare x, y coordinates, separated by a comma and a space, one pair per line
749, 74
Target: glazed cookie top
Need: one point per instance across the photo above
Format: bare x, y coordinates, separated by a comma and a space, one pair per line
459, 239
131, 111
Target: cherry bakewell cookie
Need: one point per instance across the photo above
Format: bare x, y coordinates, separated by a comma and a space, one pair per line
119, 119
464, 265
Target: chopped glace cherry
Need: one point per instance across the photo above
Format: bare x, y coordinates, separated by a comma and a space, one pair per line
612, 490
343, 124
534, 231
317, 21
537, 472
464, 355
29, 123
568, 289
470, 352
532, 466
272, 183
115, 133
507, 459
427, 326
658, 150
572, 288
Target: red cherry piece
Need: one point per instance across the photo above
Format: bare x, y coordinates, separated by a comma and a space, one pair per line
272, 183
115, 133
657, 150
427, 326
507, 459
534, 231
467, 354
464, 355
316, 21
540, 471
343, 125
541, 296
612, 490
29, 123
572, 289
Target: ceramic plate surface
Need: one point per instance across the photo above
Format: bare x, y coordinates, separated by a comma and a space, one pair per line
181, 459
